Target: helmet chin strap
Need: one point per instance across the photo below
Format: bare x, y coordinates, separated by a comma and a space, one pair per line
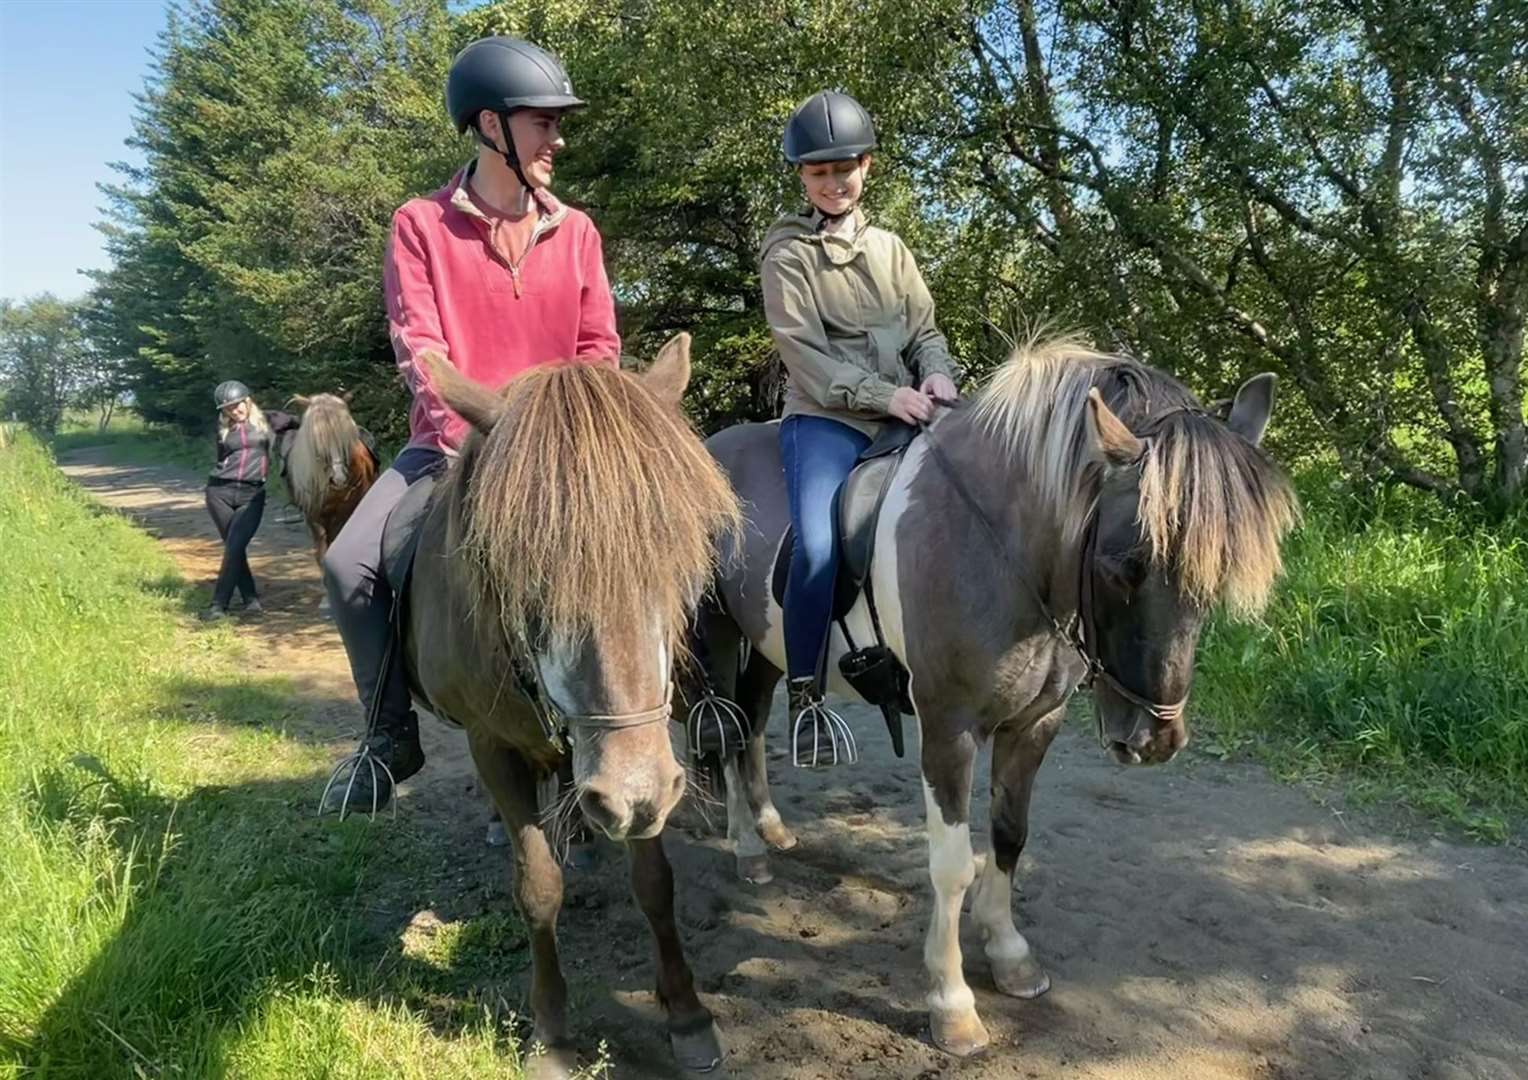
511, 158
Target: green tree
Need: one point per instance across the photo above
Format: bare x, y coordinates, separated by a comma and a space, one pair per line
43, 360
1338, 190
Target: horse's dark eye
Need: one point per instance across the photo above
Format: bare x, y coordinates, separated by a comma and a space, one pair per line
1124, 572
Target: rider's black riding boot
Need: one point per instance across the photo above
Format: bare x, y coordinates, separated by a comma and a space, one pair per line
819, 736
390, 754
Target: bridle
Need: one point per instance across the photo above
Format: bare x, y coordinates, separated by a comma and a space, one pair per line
557, 724
1080, 633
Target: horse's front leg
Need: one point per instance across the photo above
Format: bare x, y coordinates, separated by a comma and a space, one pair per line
538, 892
1016, 755
692, 1031
320, 537
949, 757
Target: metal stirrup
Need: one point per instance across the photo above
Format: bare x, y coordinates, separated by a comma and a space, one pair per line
823, 718
719, 713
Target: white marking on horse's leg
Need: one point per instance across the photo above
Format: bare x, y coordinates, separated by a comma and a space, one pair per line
951, 868
1014, 968
742, 826
992, 908
748, 845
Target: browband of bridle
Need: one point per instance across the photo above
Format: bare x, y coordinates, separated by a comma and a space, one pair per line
1079, 633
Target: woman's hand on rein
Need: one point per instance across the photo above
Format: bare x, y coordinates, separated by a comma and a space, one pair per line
940, 388
912, 406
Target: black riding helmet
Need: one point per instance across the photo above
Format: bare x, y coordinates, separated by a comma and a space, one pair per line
505, 75
828, 126
230, 392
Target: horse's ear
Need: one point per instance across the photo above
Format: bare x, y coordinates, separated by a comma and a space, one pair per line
670, 371
1252, 407
1111, 439
348, 396
300, 400
473, 402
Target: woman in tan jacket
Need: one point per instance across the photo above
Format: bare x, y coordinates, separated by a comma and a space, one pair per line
854, 323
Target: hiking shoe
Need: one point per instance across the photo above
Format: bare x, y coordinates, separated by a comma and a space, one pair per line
214, 613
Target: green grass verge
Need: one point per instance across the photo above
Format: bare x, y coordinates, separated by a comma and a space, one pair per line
133, 442
169, 905
1394, 655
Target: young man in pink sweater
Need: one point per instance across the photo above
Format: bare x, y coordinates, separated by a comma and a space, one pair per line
498, 276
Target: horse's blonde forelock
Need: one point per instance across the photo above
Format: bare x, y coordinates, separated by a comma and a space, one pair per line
328, 433
589, 503
1213, 507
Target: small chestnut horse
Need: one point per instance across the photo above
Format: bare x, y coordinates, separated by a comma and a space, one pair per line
330, 467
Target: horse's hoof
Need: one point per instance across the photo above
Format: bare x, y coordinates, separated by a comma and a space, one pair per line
960, 1033
1025, 979
777, 836
496, 836
754, 869
551, 1064
699, 1052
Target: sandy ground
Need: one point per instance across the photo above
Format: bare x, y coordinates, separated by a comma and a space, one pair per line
1198, 920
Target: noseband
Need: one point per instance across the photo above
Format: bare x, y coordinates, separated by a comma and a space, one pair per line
1080, 632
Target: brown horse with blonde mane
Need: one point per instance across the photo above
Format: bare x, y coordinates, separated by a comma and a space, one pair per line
1075, 524
329, 466
559, 561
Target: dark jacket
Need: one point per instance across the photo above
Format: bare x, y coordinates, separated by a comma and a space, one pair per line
244, 453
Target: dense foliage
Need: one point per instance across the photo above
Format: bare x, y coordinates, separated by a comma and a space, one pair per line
1337, 192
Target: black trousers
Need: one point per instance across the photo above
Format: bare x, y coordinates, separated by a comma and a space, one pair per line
236, 509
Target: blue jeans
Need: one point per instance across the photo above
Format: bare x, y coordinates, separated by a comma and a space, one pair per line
818, 455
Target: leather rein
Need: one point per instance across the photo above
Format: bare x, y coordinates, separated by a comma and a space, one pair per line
1080, 632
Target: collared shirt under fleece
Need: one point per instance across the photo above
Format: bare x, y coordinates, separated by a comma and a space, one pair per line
449, 289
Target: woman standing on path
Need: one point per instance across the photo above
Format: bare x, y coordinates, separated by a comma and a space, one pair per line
236, 489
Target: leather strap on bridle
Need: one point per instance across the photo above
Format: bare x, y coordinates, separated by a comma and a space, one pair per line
557, 724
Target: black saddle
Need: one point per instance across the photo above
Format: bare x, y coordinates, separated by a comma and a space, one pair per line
400, 542
873, 671
856, 510
400, 532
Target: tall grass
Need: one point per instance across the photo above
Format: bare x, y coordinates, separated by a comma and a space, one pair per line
1396, 650
169, 906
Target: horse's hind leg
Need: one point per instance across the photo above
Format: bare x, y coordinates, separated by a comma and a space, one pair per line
753, 823
692, 1032
1016, 755
538, 892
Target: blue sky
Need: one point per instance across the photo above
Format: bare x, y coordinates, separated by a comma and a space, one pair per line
68, 70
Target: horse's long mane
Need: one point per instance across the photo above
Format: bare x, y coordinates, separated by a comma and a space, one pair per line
320, 455
1213, 507
588, 503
